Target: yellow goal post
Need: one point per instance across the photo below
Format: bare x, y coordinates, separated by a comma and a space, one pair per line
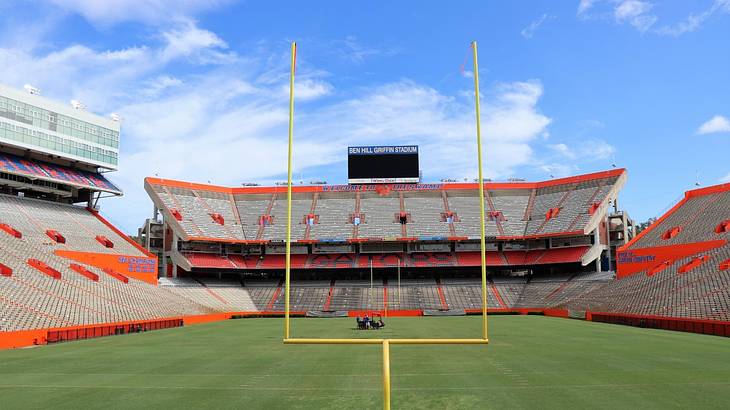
288, 339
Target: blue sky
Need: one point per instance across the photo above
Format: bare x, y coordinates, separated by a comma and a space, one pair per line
568, 87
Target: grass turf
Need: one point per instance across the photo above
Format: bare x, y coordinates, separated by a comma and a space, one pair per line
531, 362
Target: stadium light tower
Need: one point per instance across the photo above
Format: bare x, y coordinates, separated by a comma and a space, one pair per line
288, 339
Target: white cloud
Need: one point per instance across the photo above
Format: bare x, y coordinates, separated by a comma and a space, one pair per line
562, 149
185, 39
638, 13
529, 31
351, 49
153, 12
104, 78
587, 149
635, 12
694, 21
726, 178
584, 6
514, 116
598, 150
629, 9
591, 124
85, 72
564, 158
157, 85
558, 170
716, 124
308, 89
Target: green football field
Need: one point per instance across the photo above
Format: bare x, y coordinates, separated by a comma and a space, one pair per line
531, 362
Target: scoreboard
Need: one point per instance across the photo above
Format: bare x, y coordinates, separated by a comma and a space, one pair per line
383, 164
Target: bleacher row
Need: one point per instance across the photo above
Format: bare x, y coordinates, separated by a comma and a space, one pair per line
423, 259
32, 300
511, 213
694, 295
340, 295
27, 167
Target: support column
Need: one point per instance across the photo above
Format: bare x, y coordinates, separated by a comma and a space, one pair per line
608, 242
597, 242
174, 248
165, 251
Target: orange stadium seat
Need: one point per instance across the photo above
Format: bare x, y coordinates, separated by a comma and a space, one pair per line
11, 231
106, 242
57, 237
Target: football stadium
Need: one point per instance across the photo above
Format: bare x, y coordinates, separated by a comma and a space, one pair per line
386, 290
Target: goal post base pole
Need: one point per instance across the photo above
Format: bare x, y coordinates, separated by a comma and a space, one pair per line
386, 375
386, 351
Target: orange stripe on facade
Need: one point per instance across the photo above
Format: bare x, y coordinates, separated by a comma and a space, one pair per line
139, 267
714, 189
632, 261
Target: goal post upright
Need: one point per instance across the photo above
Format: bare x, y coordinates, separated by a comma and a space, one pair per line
287, 264
481, 193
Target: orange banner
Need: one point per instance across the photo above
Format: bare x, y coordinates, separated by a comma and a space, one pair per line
637, 260
138, 267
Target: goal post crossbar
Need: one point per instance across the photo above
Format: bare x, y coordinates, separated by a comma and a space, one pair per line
318, 341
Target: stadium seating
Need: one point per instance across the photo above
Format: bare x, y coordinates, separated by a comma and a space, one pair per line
513, 208
31, 299
573, 202
380, 217
13, 164
700, 293
697, 219
39, 289
334, 218
512, 211
418, 294
250, 208
466, 208
216, 295
426, 221
693, 286
209, 260
277, 229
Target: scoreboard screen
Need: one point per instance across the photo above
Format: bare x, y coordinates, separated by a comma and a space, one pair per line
383, 164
